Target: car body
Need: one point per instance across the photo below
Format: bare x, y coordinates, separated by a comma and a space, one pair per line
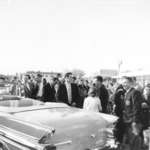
27, 124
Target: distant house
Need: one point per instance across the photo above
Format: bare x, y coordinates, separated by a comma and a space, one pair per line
108, 72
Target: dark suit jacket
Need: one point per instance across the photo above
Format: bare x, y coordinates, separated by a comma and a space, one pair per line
48, 94
118, 99
29, 90
132, 106
35, 91
104, 97
62, 95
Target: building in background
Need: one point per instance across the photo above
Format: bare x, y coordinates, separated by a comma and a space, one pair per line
108, 72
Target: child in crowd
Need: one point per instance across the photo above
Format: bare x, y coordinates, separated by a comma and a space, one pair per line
92, 102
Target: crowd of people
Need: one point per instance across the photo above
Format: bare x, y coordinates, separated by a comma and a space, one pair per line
68, 89
131, 103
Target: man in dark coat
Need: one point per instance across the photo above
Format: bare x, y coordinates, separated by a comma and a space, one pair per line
68, 92
48, 94
118, 99
101, 92
28, 87
132, 115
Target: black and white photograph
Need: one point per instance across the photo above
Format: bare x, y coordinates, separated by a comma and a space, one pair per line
74, 75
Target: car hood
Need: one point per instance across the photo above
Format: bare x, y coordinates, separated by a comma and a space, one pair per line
75, 128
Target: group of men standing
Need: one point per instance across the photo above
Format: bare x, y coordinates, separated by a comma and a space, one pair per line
66, 91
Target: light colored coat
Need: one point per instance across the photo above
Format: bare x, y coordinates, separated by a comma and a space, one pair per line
92, 104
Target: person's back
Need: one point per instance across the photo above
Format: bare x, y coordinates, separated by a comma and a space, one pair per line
92, 102
118, 99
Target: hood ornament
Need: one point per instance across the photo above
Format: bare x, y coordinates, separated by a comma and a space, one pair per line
93, 136
46, 137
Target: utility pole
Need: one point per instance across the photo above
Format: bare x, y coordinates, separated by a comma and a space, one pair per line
120, 62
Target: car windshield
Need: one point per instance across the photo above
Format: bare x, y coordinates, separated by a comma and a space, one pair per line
13, 104
9, 97
14, 101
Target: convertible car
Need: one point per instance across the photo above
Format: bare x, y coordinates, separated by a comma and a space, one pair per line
27, 124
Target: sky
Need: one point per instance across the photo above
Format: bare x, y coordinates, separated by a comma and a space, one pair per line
57, 35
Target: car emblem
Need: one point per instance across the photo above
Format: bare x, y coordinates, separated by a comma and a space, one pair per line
93, 136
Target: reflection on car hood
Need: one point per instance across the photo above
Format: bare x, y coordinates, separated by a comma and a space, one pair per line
27, 104
75, 128
78, 128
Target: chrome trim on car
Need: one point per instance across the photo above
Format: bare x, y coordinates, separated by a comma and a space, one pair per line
13, 143
23, 144
27, 142
34, 125
17, 138
23, 138
4, 145
2, 133
46, 137
14, 131
63, 143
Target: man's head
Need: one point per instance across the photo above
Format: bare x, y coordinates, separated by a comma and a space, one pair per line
98, 81
68, 77
39, 78
44, 81
127, 82
27, 78
56, 80
74, 79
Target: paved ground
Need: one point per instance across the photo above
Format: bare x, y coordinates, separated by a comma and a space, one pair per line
113, 146
108, 148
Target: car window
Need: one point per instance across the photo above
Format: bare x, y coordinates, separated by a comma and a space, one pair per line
19, 103
9, 97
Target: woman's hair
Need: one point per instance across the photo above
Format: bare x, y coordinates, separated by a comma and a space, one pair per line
92, 91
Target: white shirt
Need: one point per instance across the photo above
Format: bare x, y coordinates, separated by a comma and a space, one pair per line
92, 104
69, 92
40, 89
